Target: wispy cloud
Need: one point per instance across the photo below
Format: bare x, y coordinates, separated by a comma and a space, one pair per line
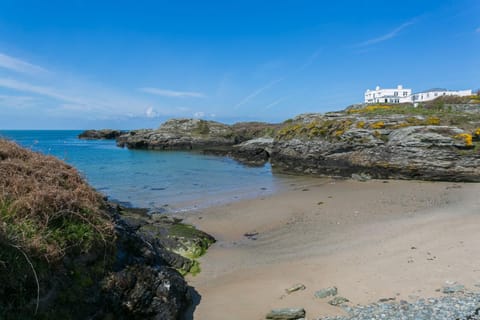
173, 93
44, 91
390, 35
274, 103
477, 30
17, 65
311, 59
106, 103
257, 92
15, 101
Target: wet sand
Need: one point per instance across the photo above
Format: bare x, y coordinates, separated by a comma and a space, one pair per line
372, 240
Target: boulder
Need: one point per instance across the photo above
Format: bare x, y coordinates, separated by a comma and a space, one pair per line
255, 152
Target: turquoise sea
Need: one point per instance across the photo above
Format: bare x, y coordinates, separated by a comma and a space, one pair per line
159, 180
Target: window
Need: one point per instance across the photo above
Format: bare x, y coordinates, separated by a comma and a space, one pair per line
395, 94
405, 93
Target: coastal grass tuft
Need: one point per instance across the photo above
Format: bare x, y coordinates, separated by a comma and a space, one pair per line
46, 208
48, 217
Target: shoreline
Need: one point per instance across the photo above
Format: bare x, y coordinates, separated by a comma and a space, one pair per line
372, 240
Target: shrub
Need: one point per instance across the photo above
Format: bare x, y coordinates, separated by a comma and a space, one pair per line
378, 125
467, 138
46, 208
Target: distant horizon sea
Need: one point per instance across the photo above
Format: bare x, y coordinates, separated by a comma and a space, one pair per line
171, 181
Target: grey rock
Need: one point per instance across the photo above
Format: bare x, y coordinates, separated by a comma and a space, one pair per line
286, 314
326, 292
295, 287
180, 134
453, 288
391, 146
362, 177
106, 134
338, 301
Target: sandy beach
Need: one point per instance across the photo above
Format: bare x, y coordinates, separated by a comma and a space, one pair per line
372, 240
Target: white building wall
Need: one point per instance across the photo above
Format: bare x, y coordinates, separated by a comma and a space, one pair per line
401, 95
430, 95
387, 95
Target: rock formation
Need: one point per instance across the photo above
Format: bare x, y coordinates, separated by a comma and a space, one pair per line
107, 134
385, 144
193, 134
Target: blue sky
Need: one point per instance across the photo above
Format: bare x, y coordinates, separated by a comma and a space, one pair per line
130, 64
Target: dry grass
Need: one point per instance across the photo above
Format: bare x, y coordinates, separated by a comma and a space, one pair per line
46, 208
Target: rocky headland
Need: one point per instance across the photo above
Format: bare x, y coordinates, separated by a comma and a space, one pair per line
107, 134
439, 141
195, 134
66, 253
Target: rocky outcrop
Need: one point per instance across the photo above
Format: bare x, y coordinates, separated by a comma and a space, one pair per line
107, 134
382, 146
254, 152
195, 134
152, 254
180, 134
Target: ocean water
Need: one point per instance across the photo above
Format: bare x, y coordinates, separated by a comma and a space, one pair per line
160, 180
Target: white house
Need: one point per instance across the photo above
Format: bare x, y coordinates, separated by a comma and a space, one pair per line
438, 92
398, 95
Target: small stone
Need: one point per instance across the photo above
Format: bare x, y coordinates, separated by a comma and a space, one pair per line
386, 299
453, 289
362, 177
338, 301
251, 235
327, 292
286, 314
295, 287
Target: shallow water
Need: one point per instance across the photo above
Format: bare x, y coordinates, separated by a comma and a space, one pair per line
159, 180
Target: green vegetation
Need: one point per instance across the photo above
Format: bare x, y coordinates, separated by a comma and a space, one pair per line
436, 112
332, 129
